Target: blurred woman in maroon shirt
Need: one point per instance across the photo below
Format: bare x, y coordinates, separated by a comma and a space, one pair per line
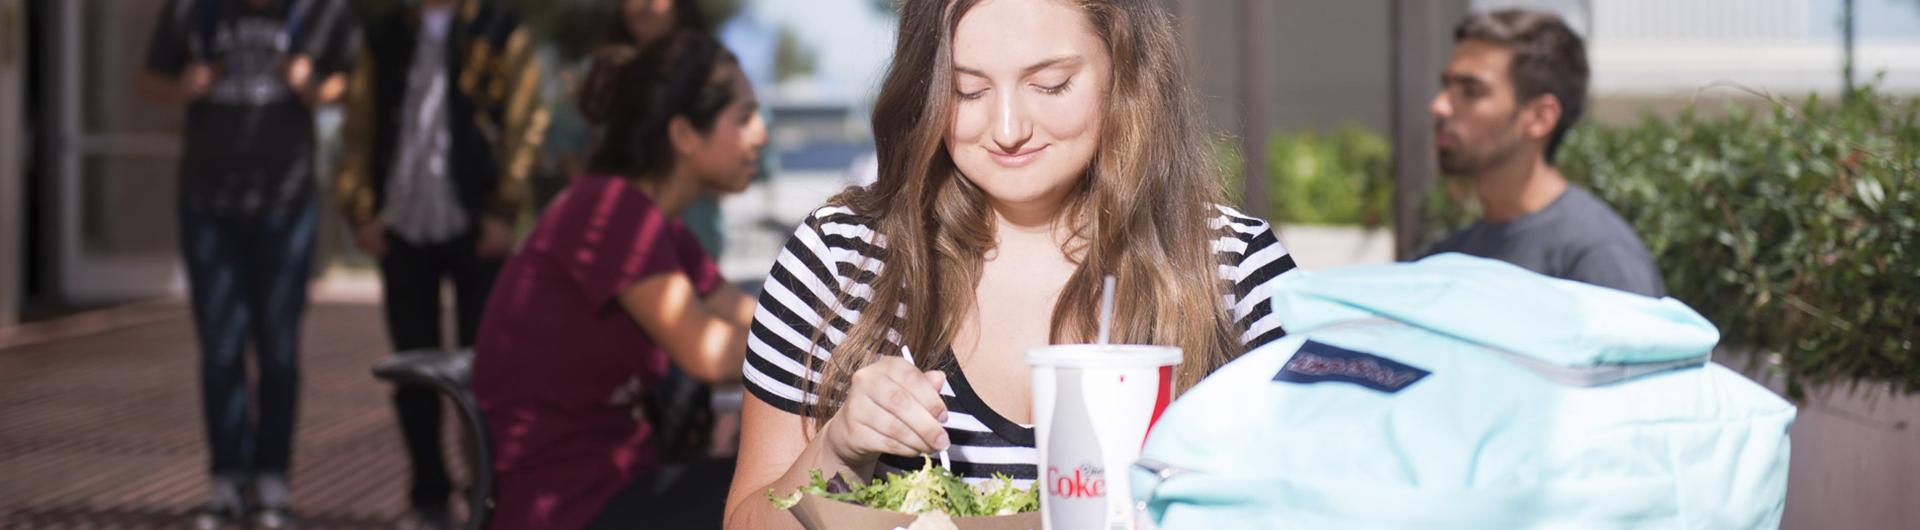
611, 287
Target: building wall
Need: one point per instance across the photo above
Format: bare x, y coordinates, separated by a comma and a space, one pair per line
1331, 61
1332, 58
106, 162
1659, 50
127, 205
12, 218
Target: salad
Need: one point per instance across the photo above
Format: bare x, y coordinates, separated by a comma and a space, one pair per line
931, 489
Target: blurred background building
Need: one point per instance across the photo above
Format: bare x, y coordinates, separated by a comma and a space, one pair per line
1331, 59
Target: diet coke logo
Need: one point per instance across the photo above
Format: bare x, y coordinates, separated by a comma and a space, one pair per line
1086, 482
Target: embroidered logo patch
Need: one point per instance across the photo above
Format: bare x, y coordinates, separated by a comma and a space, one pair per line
1318, 362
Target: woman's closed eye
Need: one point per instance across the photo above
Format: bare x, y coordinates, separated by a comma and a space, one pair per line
1055, 89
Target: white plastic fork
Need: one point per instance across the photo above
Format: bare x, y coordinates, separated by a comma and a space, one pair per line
908, 353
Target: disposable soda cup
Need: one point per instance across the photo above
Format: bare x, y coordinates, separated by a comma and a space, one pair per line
1093, 405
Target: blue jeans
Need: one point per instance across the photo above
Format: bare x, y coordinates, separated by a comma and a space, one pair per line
248, 280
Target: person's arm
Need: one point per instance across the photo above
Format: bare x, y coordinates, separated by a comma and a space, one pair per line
170, 75
327, 54
192, 84
890, 406
728, 303
524, 120
328, 91
701, 342
776, 454
1263, 261
523, 126
353, 183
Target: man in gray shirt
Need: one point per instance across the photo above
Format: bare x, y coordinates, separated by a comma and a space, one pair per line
1516, 82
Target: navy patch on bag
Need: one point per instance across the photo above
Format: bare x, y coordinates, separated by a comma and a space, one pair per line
1318, 362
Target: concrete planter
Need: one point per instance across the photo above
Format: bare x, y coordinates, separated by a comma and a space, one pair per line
1856, 455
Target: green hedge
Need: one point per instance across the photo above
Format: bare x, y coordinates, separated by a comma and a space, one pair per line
1344, 177
1796, 228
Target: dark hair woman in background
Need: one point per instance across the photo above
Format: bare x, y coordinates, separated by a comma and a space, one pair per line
636, 24
643, 21
610, 288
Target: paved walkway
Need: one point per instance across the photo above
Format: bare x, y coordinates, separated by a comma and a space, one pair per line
100, 424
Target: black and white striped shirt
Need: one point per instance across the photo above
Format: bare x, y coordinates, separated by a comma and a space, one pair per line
835, 251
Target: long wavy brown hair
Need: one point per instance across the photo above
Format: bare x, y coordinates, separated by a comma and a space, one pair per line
1139, 212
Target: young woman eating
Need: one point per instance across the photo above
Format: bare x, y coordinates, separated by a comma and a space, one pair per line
1028, 149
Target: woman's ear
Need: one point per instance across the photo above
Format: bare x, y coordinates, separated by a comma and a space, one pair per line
686, 140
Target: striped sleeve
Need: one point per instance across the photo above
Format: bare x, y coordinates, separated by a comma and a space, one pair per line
1251, 258
820, 263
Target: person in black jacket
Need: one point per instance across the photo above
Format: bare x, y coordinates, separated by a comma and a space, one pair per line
442, 127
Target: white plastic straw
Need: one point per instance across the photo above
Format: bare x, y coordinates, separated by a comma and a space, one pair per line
1106, 310
908, 353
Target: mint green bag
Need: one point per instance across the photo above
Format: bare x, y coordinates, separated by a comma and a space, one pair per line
1459, 392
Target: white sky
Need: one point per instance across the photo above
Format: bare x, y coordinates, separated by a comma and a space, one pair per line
852, 40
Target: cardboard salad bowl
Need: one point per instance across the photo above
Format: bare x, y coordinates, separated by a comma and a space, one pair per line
819, 513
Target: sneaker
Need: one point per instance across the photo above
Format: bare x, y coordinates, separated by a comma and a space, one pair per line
271, 497
270, 490
226, 497
215, 518
272, 519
